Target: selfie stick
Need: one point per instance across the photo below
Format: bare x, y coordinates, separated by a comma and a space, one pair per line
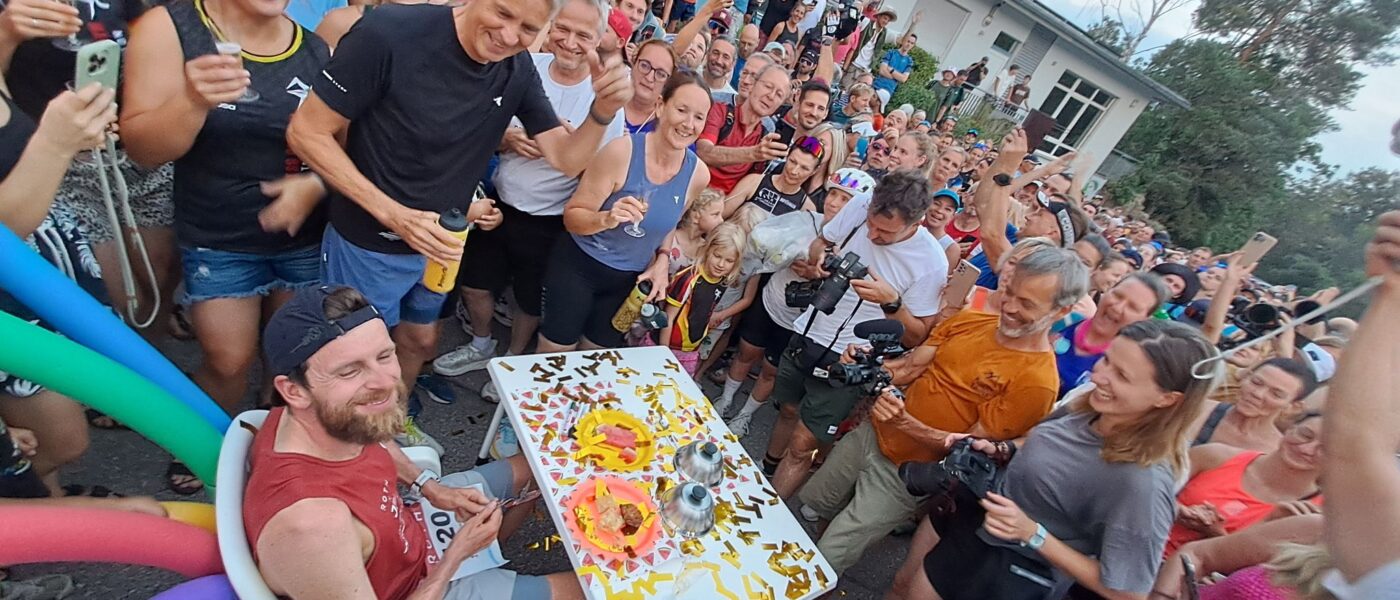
1203, 369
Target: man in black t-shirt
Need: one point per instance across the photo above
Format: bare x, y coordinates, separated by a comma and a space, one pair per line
422, 95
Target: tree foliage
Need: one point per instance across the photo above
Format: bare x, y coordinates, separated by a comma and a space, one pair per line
1109, 33
1207, 172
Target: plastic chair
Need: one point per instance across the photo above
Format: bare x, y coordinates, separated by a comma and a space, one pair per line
232, 478
228, 508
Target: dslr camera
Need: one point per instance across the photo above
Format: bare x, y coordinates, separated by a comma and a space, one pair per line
1255, 319
976, 471
868, 369
824, 294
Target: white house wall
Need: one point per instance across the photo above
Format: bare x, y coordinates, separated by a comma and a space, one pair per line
955, 34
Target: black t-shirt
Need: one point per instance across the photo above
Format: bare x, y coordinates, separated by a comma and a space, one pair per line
217, 190
424, 116
775, 202
39, 70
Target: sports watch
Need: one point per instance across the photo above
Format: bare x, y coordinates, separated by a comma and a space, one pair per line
422, 480
1037, 539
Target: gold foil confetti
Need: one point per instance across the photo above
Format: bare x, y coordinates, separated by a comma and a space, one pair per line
505, 365
799, 585
730, 555
756, 588
692, 547
748, 537
822, 581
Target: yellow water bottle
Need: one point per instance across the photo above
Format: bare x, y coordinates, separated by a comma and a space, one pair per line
632, 307
442, 278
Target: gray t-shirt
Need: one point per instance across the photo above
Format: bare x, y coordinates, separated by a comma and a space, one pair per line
1119, 512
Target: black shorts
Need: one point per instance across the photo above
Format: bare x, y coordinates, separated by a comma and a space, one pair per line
758, 328
964, 567
515, 254
581, 295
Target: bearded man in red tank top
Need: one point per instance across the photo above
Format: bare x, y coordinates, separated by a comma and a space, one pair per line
322, 509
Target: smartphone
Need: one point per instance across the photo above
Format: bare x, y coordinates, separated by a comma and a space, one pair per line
1256, 248
98, 62
960, 282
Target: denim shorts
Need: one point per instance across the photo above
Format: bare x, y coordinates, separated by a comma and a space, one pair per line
393, 283
212, 274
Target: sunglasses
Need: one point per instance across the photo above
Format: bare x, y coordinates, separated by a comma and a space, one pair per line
847, 181
880, 148
810, 145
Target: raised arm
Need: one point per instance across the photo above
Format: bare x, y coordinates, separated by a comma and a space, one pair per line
583, 215
1363, 424
1043, 171
1214, 325
686, 36
741, 193
993, 201
826, 61
1229, 553
570, 151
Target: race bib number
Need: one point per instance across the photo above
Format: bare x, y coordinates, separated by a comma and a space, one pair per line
442, 526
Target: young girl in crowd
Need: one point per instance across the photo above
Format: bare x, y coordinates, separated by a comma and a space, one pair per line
703, 216
737, 297
695, 291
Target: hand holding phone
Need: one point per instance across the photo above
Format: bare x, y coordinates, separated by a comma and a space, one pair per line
1258, 245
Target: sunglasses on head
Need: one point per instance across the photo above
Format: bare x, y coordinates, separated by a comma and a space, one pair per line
810, 145
846, 181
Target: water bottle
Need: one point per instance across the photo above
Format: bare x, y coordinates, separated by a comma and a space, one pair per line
632, 307
442, 278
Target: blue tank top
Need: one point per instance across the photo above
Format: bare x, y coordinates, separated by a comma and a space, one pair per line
1074, 368
666, 202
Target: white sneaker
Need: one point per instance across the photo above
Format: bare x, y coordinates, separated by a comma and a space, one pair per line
501, 312
740, 424
808, 514
413, 436
505, 445
490, 394
722, 406
464, 359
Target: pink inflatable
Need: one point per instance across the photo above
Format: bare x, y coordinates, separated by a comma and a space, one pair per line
35, 534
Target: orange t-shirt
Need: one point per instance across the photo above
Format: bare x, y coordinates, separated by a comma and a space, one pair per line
971, 380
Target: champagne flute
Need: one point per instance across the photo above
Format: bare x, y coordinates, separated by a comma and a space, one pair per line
634, 228
227, 47
71, 42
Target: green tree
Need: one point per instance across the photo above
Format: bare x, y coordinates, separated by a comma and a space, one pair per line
1206, 172
1314, 45
1109, 33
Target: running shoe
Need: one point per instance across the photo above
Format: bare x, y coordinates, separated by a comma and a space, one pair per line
501, 313
505, 445
465, 359
740, 424
722, 406
413, 436
808, 514
439, 390
489, 393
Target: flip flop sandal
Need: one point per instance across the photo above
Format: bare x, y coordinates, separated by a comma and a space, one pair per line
191, 484
101, 421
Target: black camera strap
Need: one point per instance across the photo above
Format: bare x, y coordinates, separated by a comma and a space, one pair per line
815, 313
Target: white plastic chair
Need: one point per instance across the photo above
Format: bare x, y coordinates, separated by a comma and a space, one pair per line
228, 508
232, 478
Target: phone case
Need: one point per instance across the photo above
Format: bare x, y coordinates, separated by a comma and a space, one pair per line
1258, 245
98, 62
960, 284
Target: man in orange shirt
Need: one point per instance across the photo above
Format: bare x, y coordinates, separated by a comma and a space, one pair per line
990, 375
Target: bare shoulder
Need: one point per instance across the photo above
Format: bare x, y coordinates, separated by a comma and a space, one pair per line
314, 517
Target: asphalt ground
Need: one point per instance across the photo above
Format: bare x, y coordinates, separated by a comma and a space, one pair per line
129, 464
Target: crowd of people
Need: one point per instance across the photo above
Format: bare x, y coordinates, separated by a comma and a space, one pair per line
290, 196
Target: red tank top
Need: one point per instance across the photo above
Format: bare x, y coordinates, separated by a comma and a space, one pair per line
1223, 487
368, 486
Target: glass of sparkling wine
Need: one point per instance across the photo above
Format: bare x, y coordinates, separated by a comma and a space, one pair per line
71, 42
229, 48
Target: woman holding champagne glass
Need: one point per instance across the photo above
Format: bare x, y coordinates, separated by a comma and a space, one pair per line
212, 85
627, 205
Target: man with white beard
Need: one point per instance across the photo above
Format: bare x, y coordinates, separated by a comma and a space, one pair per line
988, 375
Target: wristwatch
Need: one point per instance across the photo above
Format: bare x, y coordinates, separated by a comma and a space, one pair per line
892, 307
1037, 539
422, 480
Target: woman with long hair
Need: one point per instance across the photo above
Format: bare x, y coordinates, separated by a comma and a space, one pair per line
627, 207
1088, 498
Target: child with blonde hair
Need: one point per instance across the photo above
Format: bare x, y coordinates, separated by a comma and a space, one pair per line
693, 297
702, 217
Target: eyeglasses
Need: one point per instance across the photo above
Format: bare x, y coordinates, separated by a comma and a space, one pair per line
810, 145
646, 69
880, 148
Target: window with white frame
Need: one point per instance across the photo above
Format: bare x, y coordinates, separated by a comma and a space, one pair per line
1076, 105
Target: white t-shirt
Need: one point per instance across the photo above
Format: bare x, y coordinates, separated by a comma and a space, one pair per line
917, 268
946, 241
532, 185
867, 52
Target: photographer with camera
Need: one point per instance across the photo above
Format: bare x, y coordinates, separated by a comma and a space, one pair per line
903, 281
991, 375
1087, 500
